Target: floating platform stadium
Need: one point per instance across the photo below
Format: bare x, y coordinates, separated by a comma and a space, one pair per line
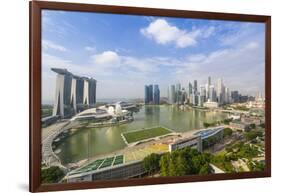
135, 137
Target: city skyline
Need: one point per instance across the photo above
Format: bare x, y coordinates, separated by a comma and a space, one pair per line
172, 51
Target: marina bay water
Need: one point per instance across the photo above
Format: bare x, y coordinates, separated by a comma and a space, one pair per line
89, 142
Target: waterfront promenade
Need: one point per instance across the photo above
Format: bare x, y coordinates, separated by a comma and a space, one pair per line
49, 158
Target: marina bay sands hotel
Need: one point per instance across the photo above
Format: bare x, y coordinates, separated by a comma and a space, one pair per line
73, 93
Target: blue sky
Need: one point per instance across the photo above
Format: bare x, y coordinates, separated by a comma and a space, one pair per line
125, 52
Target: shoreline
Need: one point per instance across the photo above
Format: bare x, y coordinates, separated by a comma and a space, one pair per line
164, 140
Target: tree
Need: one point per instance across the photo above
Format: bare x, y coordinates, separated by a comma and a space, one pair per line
164, 164
181, 167
172, 168
227, 132
151, 163
227, 121
252, 135
206, 124
252, 125
52, 174
183, 162
205, 169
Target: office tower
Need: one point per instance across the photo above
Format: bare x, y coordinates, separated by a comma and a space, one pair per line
183, 96
195, 99
201, 100
207, 88
146, 93
209, 81
156, 95
178, 87
195, 87
172, 94
227, 95
220, 91
189, 89
150, 94
71, 92
148, 98
203, 94
235, 96
212, 94
178, 93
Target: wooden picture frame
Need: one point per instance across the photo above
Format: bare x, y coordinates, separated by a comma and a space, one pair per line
35, 93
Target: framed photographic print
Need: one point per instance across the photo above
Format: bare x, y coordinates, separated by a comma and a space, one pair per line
123, 96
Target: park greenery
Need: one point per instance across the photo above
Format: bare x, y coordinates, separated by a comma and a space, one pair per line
235, 152
151, 163
206, 125
178, 163
212, 124
241, 108
227, 132
253, 134
52, 174
256, 166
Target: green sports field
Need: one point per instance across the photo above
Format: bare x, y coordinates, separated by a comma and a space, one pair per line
139, 135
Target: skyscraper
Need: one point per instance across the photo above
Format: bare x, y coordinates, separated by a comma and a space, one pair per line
235, 96
172, 94
203, 94
150, 93
220, 91
71, 92
189, 89
178, 93
212, 94
146, 93
208, 88
156, 95
148, 96
227, 95
195, 88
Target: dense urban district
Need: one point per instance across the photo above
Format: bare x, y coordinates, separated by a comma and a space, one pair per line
198, 129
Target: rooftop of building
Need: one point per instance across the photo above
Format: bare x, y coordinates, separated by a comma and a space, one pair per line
64, 71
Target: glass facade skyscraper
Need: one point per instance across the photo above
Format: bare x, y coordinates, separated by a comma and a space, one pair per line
151, 96
156, 95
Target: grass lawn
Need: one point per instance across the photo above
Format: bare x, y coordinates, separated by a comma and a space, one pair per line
145, 134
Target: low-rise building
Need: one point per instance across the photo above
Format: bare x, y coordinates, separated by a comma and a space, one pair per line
210, 104
250, 120
192, 142
240, 126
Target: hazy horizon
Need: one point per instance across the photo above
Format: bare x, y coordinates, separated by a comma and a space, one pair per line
124, 53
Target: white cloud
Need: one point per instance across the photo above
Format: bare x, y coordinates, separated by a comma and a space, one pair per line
164, 33
90, 49
106, 58
196, 58
47, 44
